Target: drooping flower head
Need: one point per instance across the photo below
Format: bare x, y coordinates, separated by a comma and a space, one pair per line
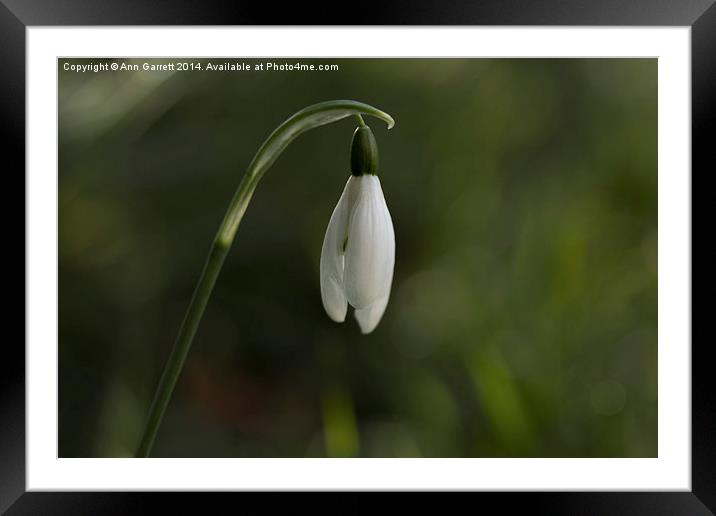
358, 253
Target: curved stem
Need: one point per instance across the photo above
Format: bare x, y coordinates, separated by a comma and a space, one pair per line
308, 118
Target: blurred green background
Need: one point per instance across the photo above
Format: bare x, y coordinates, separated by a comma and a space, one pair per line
523, 315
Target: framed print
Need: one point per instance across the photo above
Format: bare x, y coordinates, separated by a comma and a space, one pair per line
448, 252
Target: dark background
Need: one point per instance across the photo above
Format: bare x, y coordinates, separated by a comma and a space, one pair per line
523, 314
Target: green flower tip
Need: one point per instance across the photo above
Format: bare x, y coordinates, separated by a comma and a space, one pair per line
364, 152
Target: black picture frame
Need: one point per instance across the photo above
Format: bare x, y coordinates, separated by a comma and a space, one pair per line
17, 15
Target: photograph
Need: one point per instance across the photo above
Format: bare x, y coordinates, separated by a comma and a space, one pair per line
440, 249
357, 257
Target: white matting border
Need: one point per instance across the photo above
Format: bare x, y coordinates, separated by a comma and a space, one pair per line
671, 470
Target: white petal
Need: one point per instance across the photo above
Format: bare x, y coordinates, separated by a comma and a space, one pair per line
369, 317
370, 253
332, 257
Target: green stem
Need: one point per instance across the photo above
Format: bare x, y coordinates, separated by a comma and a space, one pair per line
181, 348
308, 118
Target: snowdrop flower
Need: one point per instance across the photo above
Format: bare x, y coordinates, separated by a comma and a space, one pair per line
358, 251
358, 254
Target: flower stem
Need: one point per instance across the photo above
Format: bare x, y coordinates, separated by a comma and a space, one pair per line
181, 347
308, 118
